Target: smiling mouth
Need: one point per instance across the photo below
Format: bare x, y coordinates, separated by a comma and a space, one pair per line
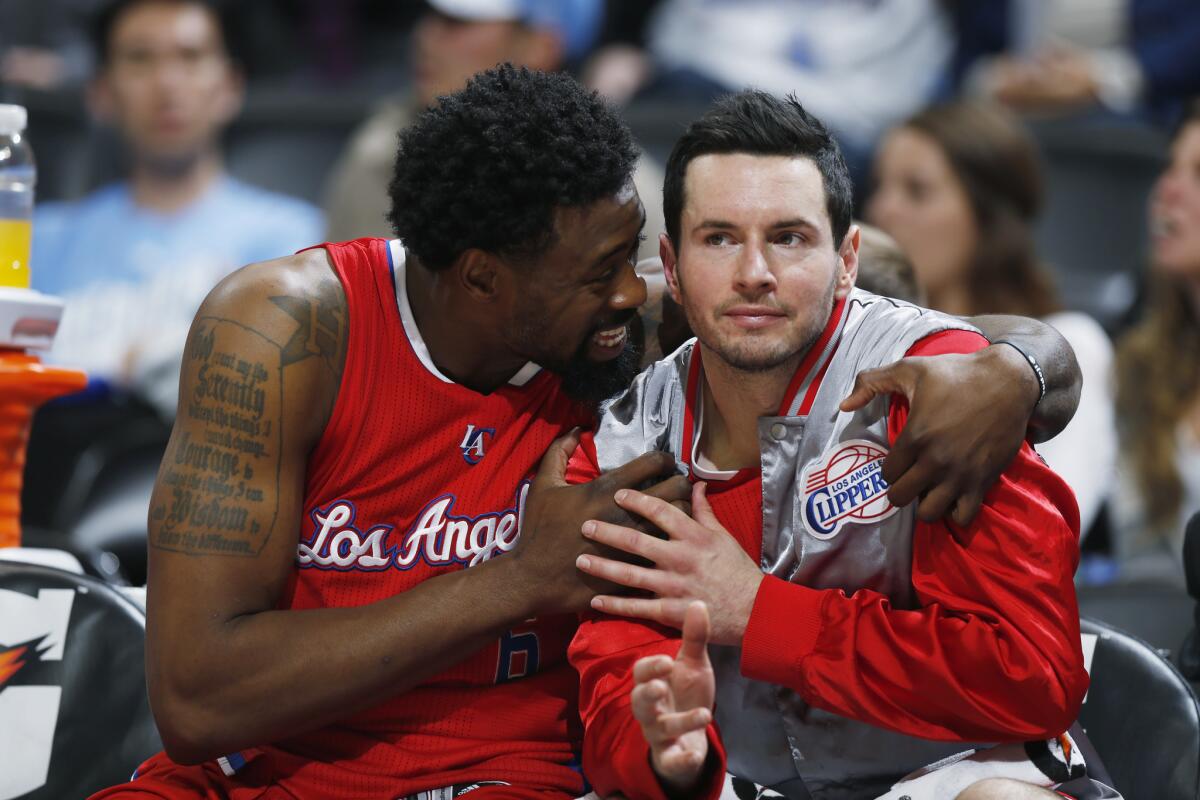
610, 338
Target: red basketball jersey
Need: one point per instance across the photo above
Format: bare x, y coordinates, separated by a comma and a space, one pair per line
416, 476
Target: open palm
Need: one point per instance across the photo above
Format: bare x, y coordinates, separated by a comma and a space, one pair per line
673, 701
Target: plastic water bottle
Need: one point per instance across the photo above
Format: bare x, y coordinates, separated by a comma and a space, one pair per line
17, 178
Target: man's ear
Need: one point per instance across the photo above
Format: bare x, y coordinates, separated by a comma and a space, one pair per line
481, 275
848, 262
666, 252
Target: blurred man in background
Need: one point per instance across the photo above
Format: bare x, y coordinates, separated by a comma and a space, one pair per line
134, 259
1048, 57
452, 41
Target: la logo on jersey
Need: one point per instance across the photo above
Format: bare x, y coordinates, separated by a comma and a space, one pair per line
473, 443
845, 485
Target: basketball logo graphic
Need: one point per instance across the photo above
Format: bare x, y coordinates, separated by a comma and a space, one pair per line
845, 486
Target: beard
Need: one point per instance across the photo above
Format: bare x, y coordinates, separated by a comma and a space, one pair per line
752, 354
593, 382
584, 380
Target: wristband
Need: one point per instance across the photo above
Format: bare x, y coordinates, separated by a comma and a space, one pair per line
1037, 368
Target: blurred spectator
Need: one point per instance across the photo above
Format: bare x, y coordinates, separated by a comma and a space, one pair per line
1158, 380
44, 43
1075, 55
859, 65
454, 40
959, 187
884, 268
620, 66
133, 260
349, 45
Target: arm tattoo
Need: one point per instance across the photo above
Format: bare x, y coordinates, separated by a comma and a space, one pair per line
321, 333
219, 486
212, 495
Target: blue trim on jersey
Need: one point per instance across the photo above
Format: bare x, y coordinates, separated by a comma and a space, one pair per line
391, 264
576, 765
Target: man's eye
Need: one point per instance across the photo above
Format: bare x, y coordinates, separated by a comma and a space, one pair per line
606, 277
716, 239
917, 191
791, 239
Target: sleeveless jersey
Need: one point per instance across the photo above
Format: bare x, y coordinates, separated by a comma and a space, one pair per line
416, 476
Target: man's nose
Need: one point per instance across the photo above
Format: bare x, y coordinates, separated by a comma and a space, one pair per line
753, 274
630, 291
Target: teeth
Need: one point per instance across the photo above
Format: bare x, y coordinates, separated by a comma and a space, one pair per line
609, 338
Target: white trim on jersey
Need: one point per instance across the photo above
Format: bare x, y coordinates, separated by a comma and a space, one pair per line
520, 378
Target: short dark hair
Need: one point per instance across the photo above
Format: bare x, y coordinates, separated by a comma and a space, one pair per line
487, 166
761, 124
110, 14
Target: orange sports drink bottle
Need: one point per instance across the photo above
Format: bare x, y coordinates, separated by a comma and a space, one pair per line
27, 319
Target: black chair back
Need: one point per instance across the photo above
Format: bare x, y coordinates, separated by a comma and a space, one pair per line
1142, 717
74, 715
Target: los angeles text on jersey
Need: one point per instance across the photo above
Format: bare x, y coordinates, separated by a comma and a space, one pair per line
438, 537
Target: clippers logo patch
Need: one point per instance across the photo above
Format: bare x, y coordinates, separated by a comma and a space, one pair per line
473, 443
845, 486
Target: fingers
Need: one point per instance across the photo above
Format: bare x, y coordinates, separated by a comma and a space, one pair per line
667, 518
651, 668
648, 700
675, 724
653, 706
636, 472
894, 378
913, 478
625, 539
622, 574
967, 507
696, 628
899, 460
675, 489
701, 509
552, 470
939, 501
665, 611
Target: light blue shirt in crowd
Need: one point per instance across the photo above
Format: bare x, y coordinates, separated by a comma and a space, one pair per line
133, 278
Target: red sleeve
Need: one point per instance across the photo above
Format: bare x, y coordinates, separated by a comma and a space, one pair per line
952, 341
991, 653
616, 756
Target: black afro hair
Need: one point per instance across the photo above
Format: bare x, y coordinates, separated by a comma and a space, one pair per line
487, 166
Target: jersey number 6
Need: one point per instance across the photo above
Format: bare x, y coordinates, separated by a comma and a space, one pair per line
518, 656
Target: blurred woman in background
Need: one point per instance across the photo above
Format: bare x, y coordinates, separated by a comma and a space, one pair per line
959, 187
1158, 379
